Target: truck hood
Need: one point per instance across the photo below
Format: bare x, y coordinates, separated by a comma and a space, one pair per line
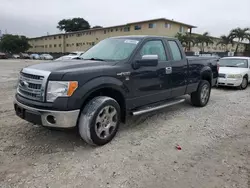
71, 65
232, 70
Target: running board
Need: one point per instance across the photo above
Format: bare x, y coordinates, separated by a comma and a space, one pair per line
153, 108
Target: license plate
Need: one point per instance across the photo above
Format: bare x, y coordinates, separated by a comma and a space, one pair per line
20, 112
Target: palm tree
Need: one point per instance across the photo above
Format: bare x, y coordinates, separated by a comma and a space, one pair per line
225, 41
240, 34
185, 39
204, 39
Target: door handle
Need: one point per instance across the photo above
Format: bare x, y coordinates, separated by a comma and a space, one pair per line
168, 70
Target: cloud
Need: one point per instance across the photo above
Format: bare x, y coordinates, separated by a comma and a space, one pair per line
35, 18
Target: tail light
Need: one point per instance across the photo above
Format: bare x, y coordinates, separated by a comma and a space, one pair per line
218, 66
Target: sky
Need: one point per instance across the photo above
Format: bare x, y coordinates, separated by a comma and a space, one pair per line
35, 18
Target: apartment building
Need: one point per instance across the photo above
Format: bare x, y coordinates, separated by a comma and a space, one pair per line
83, 40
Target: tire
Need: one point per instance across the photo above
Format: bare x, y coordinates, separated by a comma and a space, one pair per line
244, 83
99, 121
199, 98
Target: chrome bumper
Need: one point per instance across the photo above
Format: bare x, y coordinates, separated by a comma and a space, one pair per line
48, 118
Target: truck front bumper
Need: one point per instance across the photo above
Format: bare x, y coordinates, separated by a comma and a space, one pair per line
47, 118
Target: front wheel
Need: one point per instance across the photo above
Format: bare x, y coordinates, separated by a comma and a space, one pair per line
244, 83
201, 97
99, 121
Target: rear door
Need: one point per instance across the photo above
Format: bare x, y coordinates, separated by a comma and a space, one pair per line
179, 66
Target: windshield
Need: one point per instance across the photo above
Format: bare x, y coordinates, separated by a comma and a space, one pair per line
241, 63
111, 49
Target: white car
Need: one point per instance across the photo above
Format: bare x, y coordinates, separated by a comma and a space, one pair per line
46, 57
234, 71
72, 55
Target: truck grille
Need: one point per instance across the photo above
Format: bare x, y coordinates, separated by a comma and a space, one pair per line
222, 75
32, 85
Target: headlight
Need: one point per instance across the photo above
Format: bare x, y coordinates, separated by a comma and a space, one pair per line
60, 89
234, 76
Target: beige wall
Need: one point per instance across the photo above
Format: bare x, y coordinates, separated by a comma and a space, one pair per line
81, 41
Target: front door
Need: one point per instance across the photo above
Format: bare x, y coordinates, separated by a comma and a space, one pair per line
151, 84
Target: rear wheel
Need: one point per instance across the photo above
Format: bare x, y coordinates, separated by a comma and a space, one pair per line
99, 121
201, 97
244, 83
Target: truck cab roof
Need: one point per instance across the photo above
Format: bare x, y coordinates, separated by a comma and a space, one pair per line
143, 37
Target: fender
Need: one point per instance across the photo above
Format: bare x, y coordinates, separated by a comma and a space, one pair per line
206, 72
82, 93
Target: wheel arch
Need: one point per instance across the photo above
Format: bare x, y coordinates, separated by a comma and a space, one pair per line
104, 86
207, 74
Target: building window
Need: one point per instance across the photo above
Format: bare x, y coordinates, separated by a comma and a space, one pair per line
46, 46
168, 25
116, 29
79, 35
104, 31
59, 36
77, 44
120, 29
111, 30
83, 43
152, 25
67, 45
50, 45
60, 45
45, 39
181, 30
137, 27
54, 45
72, 44
54, 37
126, 29
93, 43
67, 36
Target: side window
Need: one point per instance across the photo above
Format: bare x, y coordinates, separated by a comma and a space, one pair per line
175, 50
154, 48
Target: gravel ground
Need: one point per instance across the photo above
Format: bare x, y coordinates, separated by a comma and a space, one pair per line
215, 143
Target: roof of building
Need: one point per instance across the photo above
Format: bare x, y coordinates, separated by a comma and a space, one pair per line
96, 29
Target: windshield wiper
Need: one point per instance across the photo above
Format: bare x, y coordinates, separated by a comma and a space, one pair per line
231, 66
95, 59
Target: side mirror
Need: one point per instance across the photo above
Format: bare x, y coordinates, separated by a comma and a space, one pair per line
147, 61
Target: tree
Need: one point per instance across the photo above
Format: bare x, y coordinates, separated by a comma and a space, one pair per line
185, 39
14, 43
240, 34
203, 39
75, 24
97, 27
225, 41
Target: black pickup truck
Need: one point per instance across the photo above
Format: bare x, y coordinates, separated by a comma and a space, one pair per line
118, 77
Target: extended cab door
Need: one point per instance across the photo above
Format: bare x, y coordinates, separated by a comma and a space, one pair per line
150, 84
179, 66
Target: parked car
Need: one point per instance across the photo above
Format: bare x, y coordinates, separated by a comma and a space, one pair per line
24, 56
46, 57
34, 56
234, 72
73, 55
3, 55
16, 56
116, 78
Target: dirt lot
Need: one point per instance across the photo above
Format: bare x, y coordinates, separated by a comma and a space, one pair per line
215, 143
